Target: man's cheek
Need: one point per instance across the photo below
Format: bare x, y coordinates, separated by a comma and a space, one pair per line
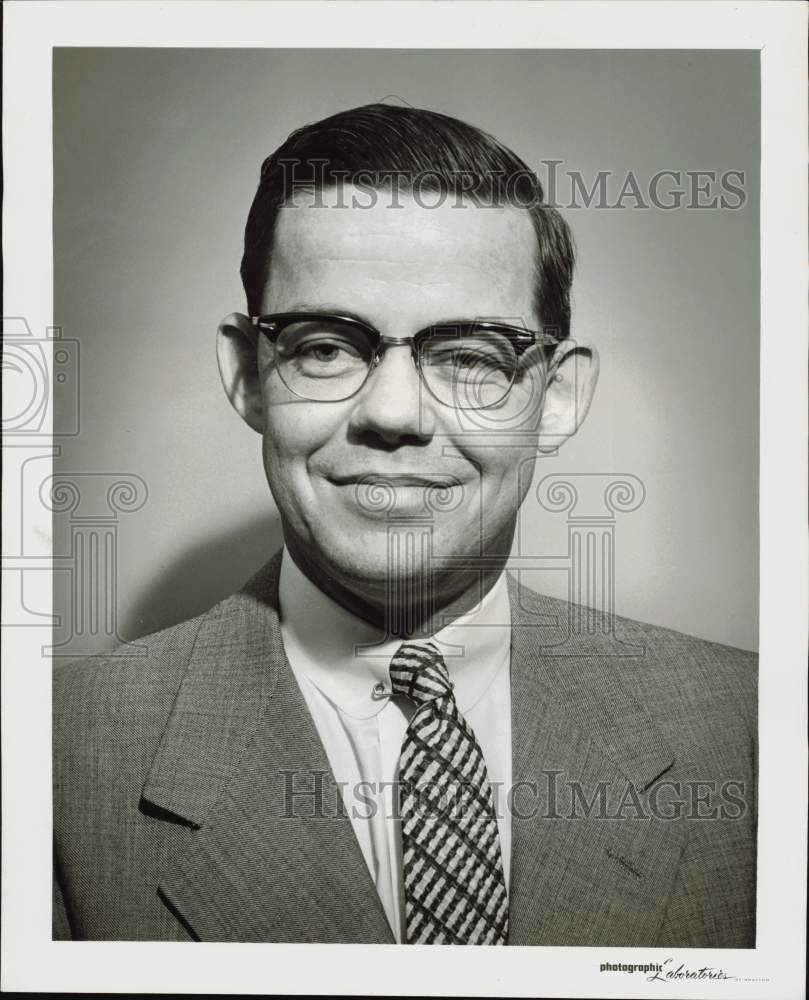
287, 435
501, 487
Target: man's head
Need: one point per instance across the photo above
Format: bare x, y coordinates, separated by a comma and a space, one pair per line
414, 224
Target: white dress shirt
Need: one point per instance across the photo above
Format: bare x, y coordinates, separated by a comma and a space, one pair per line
362, 735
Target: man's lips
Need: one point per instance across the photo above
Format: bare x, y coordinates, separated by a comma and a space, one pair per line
380, 494
420, 480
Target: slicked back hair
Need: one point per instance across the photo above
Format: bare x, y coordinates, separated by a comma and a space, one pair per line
379, 146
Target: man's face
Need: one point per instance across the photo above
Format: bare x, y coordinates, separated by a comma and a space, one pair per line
400, 270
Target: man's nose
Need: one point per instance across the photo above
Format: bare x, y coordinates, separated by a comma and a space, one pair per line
393, 403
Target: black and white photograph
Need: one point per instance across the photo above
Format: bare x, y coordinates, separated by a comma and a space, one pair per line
392, 506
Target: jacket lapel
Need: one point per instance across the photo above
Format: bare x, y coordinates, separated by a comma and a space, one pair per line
266, 851
579, 736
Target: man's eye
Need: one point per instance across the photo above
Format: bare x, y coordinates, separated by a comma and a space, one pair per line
322, 357
465, 356
326, 350
476, 359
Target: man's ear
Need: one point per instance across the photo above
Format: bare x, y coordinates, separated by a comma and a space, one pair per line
572, 378
237, 354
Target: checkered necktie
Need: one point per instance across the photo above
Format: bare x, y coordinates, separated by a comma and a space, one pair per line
455, 889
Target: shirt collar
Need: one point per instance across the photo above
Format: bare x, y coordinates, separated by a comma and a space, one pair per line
344, 656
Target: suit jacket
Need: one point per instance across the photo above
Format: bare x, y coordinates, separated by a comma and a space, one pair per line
193, 799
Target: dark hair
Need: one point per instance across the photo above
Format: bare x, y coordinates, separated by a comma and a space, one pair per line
385, 143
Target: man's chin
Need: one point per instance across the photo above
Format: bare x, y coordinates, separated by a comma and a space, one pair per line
374, 566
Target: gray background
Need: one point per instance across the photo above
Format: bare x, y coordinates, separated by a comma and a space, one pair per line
156, 159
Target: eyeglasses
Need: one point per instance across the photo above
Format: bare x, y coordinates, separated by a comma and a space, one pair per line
466, 364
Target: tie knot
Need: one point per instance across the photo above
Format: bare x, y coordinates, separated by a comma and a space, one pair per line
418, 671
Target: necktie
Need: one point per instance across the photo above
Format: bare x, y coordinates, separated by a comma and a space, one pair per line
455, 889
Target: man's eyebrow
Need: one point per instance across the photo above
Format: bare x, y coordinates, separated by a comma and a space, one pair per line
327, 307
333, 309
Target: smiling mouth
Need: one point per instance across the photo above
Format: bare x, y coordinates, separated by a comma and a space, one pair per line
420, 481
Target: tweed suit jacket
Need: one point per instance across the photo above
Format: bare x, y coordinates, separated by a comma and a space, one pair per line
193, 799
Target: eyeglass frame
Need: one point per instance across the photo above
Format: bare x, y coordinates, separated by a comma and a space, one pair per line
272, 325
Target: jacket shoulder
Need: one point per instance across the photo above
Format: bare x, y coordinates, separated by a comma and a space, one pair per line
133, 677
129, 693
671, 672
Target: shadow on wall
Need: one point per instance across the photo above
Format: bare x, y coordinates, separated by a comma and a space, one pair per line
202, 577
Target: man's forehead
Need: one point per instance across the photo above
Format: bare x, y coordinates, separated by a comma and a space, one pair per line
362, 223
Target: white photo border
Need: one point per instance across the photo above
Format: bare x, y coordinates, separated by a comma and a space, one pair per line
775, 968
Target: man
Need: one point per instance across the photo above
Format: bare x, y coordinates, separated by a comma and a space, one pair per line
384, 738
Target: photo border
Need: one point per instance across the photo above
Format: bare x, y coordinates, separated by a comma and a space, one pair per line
775, 968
